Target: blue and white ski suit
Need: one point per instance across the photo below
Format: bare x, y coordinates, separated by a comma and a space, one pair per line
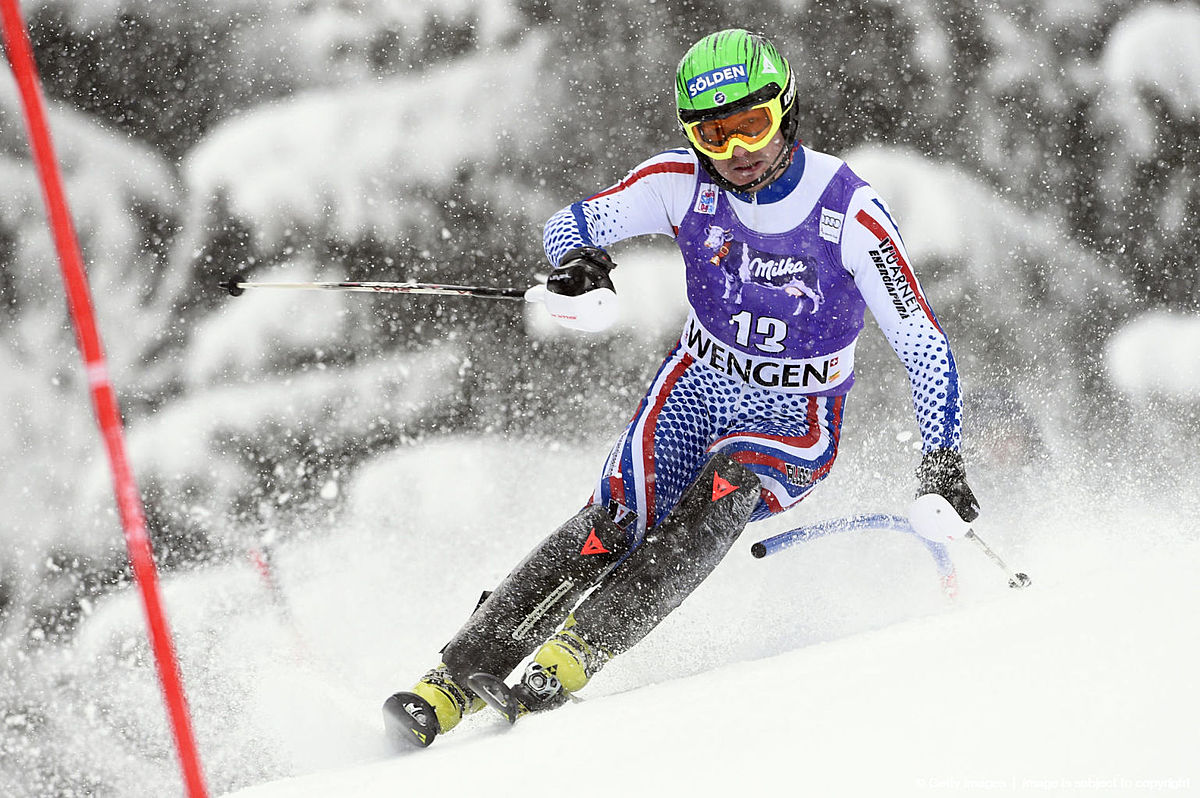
777, 284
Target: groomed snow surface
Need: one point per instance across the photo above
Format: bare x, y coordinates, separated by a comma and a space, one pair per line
832, 668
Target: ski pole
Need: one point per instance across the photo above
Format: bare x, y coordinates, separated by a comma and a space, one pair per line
236, 285
941, 557
812, 531
1015, 579
934, 519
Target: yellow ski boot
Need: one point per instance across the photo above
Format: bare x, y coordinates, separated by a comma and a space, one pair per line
434, 706
560, 668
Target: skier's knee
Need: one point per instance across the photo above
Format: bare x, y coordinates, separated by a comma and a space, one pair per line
675, 557
780, 495
701, 506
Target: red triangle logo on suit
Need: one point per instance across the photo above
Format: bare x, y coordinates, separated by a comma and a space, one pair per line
721, 487
593, 545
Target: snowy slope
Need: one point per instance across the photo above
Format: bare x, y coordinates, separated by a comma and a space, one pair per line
1085, 684
833, 668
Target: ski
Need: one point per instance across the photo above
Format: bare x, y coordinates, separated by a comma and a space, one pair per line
410, 719
498, 695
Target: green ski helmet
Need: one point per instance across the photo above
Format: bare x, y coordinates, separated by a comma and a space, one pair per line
733, 88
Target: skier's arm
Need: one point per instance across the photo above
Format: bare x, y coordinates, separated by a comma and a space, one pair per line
650, 200
874, 253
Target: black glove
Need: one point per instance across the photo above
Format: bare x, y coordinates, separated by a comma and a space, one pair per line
581, 270
942, 472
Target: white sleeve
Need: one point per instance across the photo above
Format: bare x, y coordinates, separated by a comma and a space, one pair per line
651, 199
874, 253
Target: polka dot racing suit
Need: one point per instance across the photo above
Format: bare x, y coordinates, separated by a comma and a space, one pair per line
777, 284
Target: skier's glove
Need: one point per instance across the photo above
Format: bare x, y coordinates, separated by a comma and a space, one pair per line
942, 472
579, 293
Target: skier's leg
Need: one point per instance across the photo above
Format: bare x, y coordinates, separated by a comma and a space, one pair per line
536, 596
644, 474
789, 442
654, 460
675, 557
785, 445
661, 450
513, 619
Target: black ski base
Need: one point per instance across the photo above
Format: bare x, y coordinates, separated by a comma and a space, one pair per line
498, 695
410, 720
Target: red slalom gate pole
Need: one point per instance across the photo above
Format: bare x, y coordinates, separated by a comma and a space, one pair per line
129, 501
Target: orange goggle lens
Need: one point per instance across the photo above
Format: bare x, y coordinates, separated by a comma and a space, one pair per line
751, 129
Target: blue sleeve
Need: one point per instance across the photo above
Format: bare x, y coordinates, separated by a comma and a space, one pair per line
567, 230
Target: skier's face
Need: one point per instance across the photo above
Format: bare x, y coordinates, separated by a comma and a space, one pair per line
745, 167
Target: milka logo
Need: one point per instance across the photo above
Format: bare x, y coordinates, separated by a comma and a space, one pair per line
783, 272
769, 269
716, 77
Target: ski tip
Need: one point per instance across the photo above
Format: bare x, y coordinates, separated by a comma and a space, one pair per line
409, 720
233, 285
758, 550
496, 694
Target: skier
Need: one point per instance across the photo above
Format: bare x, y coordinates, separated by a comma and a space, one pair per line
743, 418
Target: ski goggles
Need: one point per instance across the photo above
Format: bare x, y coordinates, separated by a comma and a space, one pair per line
751, 129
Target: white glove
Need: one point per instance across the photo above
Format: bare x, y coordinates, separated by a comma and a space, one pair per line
579, 293
934, 518
594, 311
